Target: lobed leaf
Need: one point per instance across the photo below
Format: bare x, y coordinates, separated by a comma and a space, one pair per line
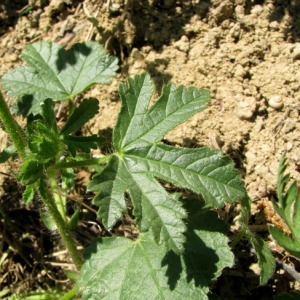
58, 74
43, 142
136, 123
154, 208
31, 170
111, 183
204, 171
140, 160
148, 271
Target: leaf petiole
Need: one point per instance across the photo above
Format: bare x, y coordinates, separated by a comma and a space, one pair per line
81, 163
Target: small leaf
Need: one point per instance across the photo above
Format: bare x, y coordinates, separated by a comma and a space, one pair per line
31, 171
266, 261
25, 10
85, 143
28, 194
44, 142
82, 114
265, 258
8, 152
111, 187
49, 114
145, 268
295, 191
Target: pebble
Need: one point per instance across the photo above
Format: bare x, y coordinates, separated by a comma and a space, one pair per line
245, 107
289, 146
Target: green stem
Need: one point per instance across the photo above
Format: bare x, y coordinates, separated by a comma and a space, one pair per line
81, 163
58, 199
70, 294
13, 128
236, 239
60, 223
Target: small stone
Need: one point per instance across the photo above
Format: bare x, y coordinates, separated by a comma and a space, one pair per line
246, 107
289, 146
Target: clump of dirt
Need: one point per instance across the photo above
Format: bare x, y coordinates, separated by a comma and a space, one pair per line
247, 53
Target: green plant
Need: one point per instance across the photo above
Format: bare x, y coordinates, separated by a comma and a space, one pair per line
288, 208
182, 245
42, 295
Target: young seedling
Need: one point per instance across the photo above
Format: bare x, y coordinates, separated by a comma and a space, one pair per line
181, 246
288, 208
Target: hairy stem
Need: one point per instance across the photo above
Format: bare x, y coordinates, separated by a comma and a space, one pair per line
13, 128
81, 163
60, 223
59, 200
